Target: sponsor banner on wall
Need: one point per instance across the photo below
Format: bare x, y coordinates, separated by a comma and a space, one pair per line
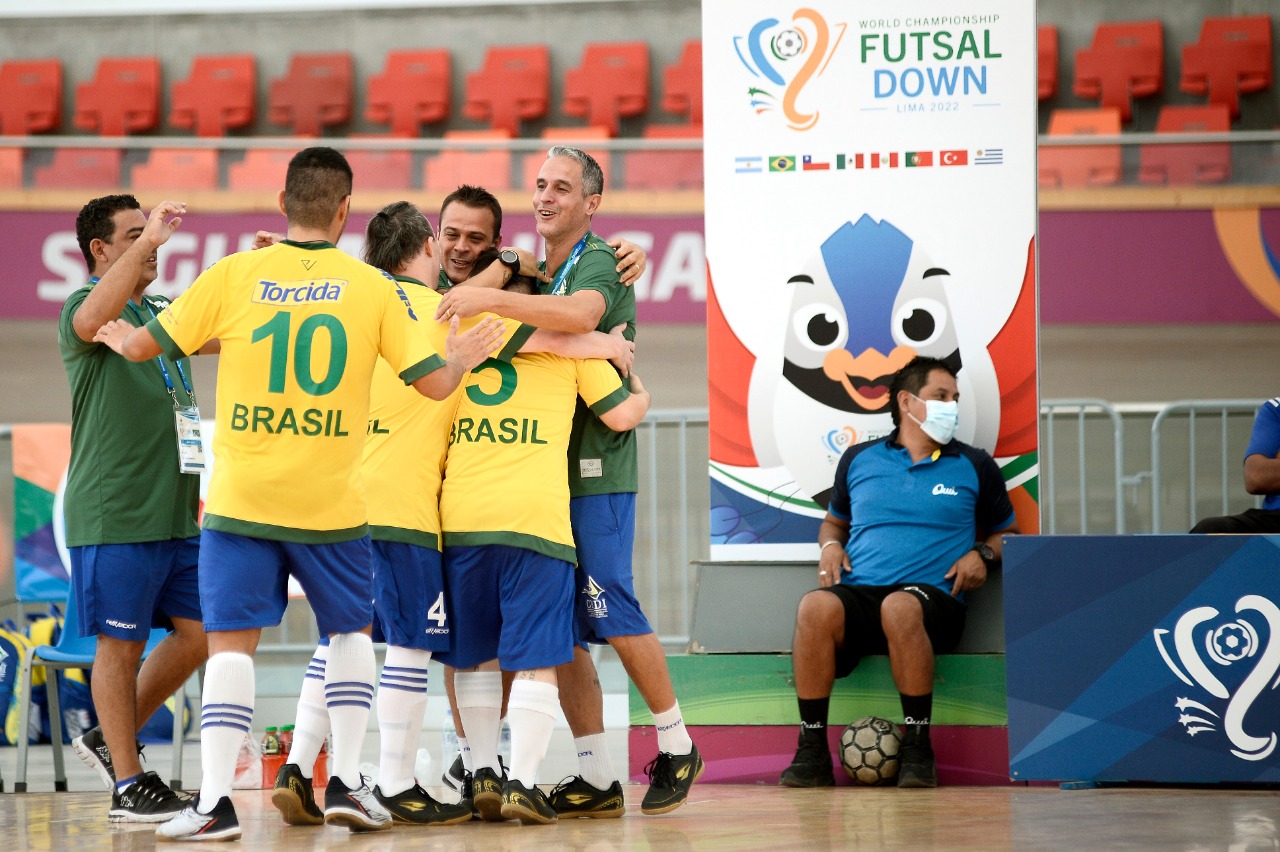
44, 265
870, 197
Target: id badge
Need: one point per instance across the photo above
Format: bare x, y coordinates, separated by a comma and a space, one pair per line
190, 447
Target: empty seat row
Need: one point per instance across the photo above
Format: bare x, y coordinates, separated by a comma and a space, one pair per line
1126, 61
412, 90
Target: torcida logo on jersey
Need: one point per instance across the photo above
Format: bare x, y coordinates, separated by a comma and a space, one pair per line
299, 292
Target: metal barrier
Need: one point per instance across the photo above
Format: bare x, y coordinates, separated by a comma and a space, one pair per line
1084, 412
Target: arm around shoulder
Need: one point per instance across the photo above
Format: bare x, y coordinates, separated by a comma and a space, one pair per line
627, 415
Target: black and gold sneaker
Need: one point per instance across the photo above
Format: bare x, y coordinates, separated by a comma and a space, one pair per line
416, 807
486, 794
670, 777
527, 804
576, 797
294, 797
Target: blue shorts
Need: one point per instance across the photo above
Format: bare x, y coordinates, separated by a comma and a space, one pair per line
604, 531
510, 603
409, 599
244, 582
124, 590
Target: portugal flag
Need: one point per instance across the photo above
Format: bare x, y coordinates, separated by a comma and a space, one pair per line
919, 158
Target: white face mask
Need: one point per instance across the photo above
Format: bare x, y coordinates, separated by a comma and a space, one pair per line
940, 419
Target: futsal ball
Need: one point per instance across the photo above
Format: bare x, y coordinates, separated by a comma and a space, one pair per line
788, 43
869, 750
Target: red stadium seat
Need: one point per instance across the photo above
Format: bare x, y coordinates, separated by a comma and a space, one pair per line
381, 169
220, 95
682, 84
314, 93
30, 96
260, 169
575, 136
514, 85
412, 90
490, 168
666, 170
1095, 165
1188, 164
1232, 57
81, 168
1046, 61
10, 168
177, 169
1126, 61
611, 83
123, 97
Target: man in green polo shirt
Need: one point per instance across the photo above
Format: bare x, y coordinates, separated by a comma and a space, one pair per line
131, 510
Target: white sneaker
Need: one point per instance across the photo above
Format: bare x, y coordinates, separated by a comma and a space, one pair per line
358, 809
191, 825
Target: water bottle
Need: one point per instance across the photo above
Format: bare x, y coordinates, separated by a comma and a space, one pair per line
271, 742
272, 759
286, 740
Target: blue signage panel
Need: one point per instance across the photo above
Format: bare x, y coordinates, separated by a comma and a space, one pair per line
1143, 658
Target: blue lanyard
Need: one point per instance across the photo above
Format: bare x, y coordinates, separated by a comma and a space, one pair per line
164, 371
557, 289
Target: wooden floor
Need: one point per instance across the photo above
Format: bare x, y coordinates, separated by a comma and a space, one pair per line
743, 817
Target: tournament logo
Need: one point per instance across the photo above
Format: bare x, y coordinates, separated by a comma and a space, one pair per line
1234, 647
596, 606
783, 58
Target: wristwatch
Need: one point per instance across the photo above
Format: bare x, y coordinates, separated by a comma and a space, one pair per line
988, 555
510, 258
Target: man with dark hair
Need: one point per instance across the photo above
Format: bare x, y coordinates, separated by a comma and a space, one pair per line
915, 521
131, 501
302, 326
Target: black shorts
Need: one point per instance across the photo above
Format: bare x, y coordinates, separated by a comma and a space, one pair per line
864, 634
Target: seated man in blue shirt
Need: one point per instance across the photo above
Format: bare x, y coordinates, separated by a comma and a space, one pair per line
1261, 477
914, 522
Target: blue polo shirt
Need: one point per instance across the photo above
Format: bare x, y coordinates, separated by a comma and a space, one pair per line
1265, 441
909, 523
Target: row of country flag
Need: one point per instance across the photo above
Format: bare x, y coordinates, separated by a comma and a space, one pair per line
909, 159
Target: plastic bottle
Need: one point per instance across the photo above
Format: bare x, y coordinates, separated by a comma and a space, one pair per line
320, 772
272, 758
286, 740
271, 742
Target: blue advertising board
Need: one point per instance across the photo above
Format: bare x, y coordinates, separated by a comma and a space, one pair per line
1143, 658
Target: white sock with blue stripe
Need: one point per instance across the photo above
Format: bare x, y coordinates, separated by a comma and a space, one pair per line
312, 724
348, 693
225, 718
402, 700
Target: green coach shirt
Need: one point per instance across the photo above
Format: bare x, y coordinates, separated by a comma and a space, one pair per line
601, 461
123, 485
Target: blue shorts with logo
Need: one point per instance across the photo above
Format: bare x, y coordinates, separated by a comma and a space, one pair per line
409, 600
509, 603
604, 531
244, 582
124, 590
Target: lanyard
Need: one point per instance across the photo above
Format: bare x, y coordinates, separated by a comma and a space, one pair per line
164, 371
557, 289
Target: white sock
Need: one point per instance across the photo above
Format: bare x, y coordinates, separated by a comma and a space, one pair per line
402, 699
464, 749
532, 711
672, 736
479, 697
348, 693
312, 724
593, 761
225, 718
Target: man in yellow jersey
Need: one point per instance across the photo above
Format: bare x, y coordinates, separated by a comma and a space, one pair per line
509, 557
301, 327
403, 462
603, 481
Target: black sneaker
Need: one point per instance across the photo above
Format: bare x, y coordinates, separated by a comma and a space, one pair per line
916, 767
219, 824
91, 748
576, 797
146, 800
294, 797
486, 794
455, 777
358, 809
670, 777
415, 806
811, 766
527, 804
466, 795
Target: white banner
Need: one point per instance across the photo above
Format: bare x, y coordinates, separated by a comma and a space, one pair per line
870, 196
